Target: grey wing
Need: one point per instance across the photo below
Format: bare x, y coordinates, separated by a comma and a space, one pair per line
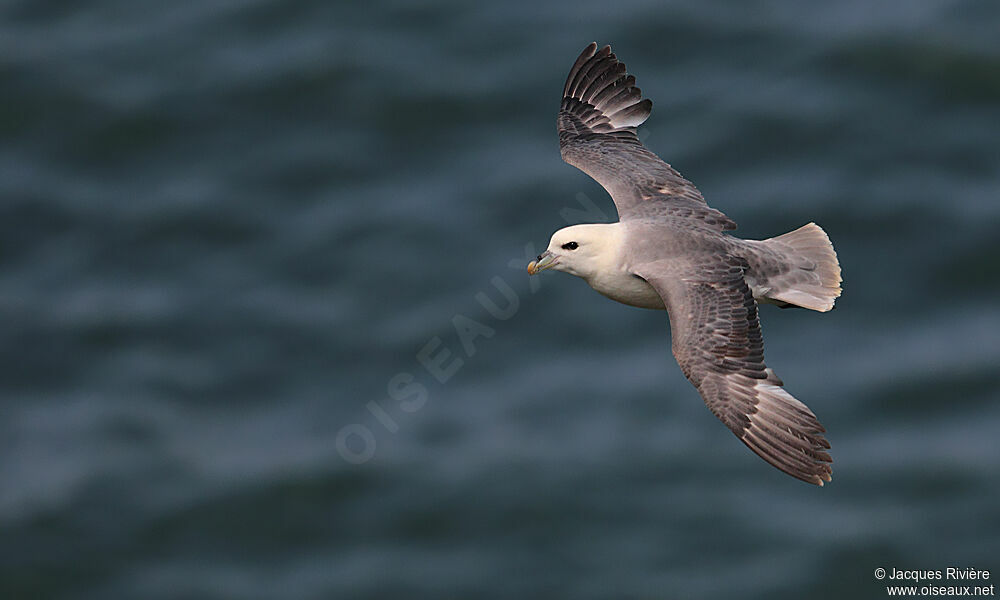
601, 108
717, 342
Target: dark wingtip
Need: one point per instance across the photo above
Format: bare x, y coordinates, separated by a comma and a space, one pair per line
586, 55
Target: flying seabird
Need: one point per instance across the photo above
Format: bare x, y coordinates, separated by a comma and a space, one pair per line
670, 250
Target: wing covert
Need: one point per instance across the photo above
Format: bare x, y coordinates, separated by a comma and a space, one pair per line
600, 111
717, 342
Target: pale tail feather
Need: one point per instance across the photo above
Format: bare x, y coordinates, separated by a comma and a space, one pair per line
813, 279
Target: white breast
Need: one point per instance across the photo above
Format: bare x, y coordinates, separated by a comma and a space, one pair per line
606, 271
622, 286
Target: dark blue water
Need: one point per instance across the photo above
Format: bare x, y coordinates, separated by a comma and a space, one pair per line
234, 235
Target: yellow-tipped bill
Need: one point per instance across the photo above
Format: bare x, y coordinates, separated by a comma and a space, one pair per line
545, 260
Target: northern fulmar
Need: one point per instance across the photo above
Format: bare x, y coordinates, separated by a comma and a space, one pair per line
670, 250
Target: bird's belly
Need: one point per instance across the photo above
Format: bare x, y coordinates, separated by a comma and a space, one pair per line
628, 289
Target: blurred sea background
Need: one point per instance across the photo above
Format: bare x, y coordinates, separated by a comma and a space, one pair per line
230, 229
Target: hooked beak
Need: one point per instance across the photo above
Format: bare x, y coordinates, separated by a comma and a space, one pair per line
545, 260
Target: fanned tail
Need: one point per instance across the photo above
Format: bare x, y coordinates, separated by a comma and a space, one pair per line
798, 268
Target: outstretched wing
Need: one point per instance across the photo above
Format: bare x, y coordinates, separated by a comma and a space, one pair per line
601, 108
717, 343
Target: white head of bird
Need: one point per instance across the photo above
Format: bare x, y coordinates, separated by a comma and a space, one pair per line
581, 250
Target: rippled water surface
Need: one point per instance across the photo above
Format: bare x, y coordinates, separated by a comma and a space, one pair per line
228, 230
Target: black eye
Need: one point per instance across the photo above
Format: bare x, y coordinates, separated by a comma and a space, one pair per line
570, 246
